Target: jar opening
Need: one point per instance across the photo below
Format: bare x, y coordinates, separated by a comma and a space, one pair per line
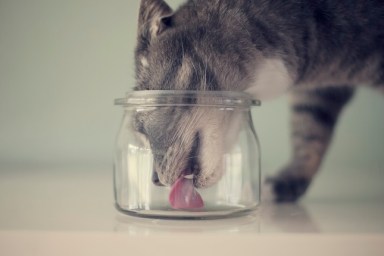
187, 98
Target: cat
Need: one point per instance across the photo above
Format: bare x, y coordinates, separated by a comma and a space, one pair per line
318, 51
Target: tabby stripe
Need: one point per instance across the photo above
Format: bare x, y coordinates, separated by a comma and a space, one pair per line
169, 78
320, 114
307, 136
199, 75
338, 95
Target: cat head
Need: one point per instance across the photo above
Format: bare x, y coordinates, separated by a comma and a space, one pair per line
179, 51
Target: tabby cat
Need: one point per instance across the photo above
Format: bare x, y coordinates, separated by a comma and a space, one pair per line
319, 51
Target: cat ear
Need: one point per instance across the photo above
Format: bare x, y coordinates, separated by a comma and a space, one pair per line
154, 18
165, 23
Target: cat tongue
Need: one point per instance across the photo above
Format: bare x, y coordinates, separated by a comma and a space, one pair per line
184, 195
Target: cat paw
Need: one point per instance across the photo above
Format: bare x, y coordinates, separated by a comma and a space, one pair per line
287, 187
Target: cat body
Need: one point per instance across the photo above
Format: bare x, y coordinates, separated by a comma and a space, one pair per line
318, 51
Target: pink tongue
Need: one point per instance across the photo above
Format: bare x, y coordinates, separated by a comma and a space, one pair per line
184, 195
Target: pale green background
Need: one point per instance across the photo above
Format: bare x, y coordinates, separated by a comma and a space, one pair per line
63, 62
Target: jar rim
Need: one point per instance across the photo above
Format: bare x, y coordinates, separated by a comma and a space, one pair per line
187, 98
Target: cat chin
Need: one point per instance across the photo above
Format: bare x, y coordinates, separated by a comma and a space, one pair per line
219, 135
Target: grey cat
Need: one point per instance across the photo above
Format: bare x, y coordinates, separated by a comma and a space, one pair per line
318, 50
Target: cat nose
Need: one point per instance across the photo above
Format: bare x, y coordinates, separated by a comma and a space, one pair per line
192, 162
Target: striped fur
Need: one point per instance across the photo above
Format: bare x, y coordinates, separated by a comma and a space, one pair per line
319, 50
314, 117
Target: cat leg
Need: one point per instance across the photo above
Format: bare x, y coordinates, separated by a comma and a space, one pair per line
314, 116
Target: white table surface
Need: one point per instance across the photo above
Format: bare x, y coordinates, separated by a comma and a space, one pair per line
70, 211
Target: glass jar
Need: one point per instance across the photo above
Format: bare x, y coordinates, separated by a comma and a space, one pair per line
187, 155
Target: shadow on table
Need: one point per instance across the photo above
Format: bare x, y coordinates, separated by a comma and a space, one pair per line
286, 218
268, 218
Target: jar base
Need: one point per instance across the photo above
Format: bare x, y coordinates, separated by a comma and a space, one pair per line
169, 213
